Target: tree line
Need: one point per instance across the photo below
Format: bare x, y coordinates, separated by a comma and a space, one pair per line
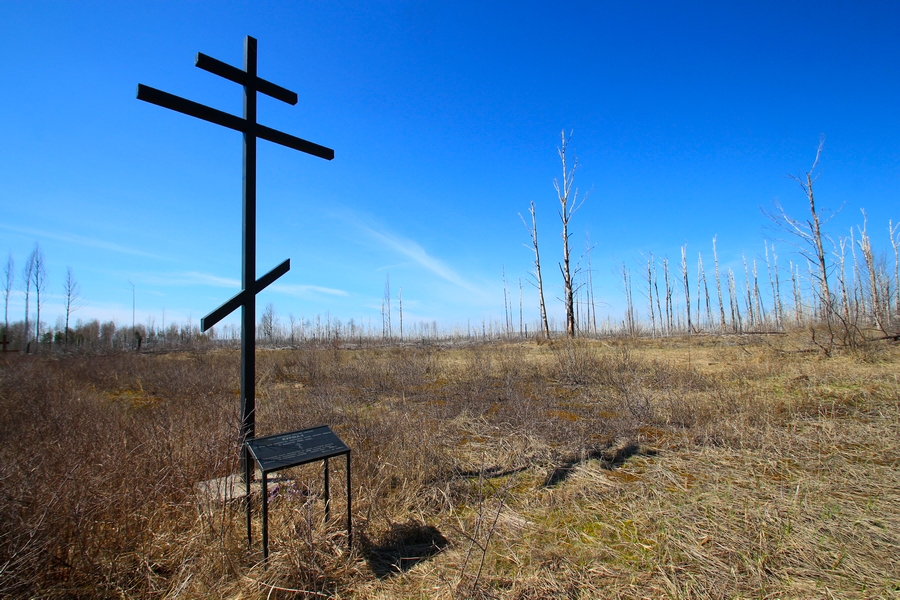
32, 283
837, 283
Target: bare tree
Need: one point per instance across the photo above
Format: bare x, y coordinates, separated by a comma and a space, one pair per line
39, 277
27, 273
630, 324
773, 277
895, 244
133, 312
819, 308
777, 289
568, 204
507, 309
809, 232
400, 307
719, 286
670, 310
268, 323
536, 273
858, 296
736, 322
865, 245
386, 329
748, 288
798, 296
658, 305
521, 318
72, 291
842, 276
592, 305
701, 279
9, 275
757, 297
687, 291
650, 271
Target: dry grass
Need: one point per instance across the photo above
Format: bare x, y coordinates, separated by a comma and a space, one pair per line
708, 467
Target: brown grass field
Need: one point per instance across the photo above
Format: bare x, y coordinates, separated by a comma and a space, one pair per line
705, 467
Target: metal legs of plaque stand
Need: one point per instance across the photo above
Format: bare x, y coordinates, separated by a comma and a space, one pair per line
264, 509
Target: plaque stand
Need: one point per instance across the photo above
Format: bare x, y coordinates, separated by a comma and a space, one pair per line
284, 450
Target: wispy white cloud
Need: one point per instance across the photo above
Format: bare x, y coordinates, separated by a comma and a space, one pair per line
189, 278
208, 280
303, 291
198, 278
83, 241
414, 251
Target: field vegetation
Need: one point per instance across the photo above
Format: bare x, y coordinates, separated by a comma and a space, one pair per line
702, 466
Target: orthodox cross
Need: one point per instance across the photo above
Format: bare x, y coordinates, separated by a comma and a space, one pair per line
246, 298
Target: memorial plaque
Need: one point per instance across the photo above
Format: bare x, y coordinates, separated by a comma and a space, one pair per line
276, 452
284, 450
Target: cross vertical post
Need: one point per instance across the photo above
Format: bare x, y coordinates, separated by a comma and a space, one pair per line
248, 269
246, 298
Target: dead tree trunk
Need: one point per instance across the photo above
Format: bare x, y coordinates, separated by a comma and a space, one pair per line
659, 311
719, 286
538, 282
757, 298
386, 329
9, 274
650, 294
72, 291
842, 280
737, 323
776, 301
895, 244
670, 310
810, 233
506, 301
27, 273
629, 304
701, 279
865, 245
778, 289
592, 305
859, 303
521, 318
39, 277
568, 204
748, 299
687, 291
798, 296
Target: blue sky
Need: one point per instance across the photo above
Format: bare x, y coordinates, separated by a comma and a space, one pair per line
444, 119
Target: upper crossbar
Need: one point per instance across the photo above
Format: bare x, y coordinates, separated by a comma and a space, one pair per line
217, 67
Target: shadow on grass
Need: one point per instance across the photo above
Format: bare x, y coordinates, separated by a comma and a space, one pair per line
403, 547
611, 458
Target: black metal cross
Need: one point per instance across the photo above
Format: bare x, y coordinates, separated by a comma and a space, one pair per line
246, 298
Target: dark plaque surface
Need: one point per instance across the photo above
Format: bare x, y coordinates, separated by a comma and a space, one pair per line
284, 450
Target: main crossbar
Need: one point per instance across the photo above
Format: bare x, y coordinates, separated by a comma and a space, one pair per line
201, 111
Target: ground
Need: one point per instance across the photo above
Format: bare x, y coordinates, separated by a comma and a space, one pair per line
738, 466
